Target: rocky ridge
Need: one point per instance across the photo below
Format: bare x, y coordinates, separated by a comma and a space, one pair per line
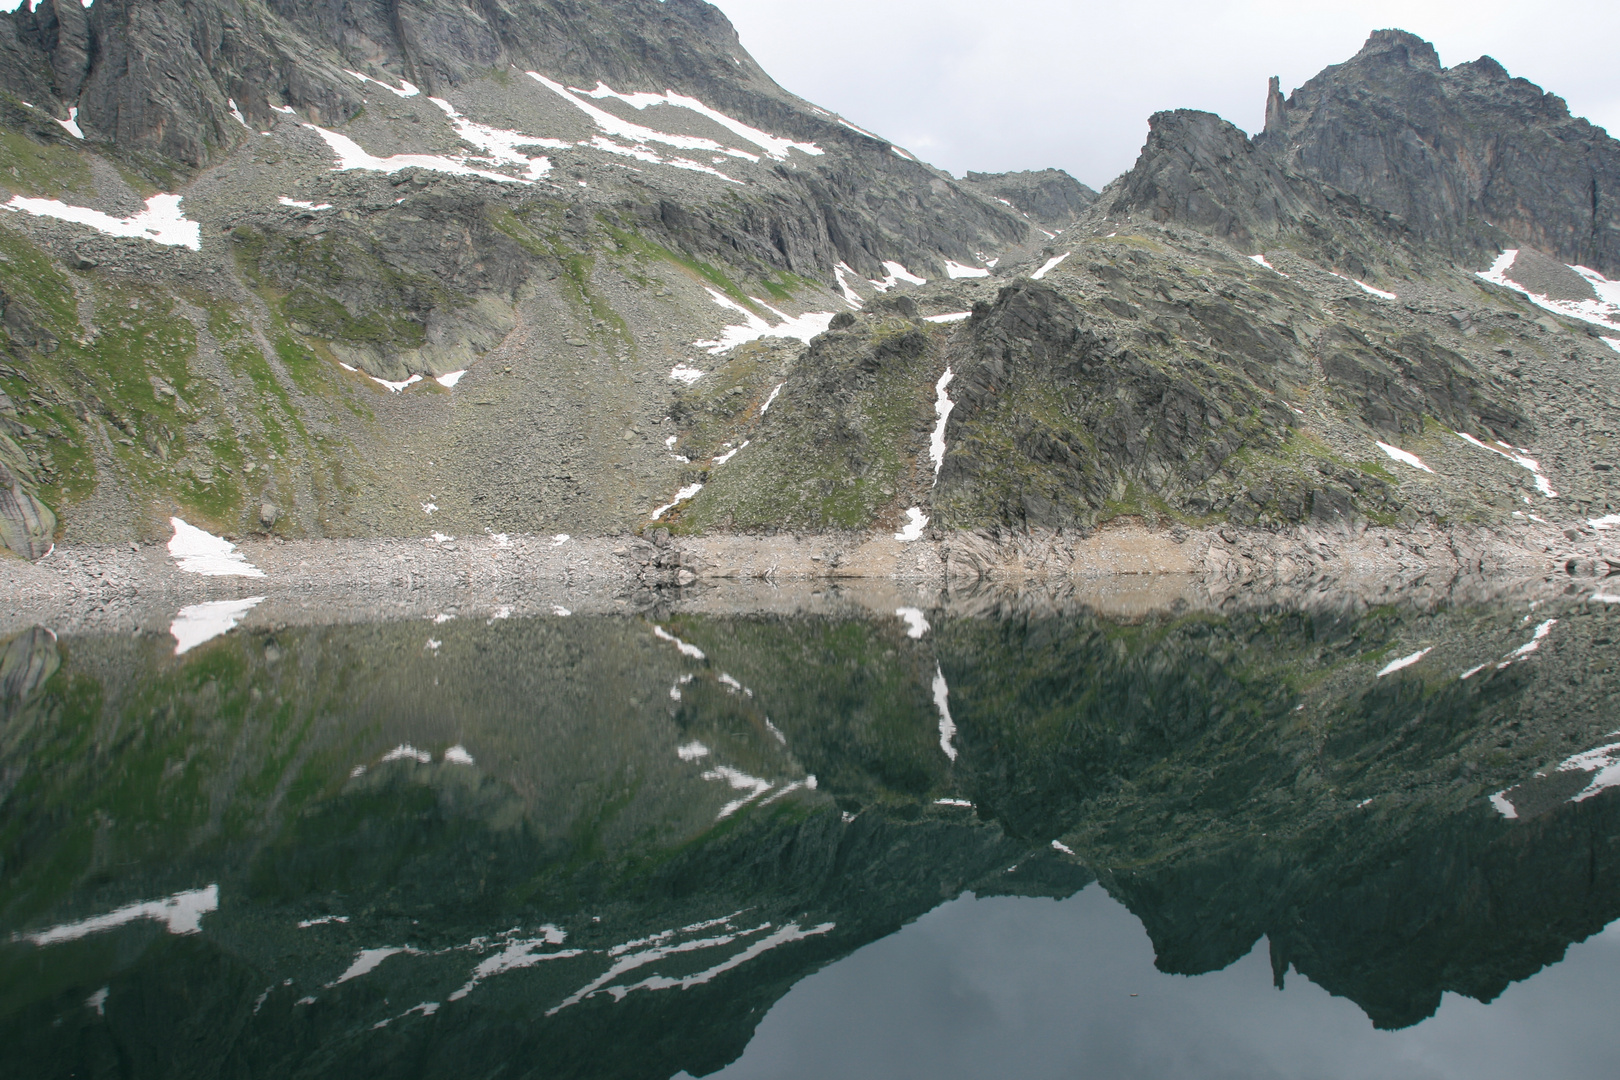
1459, 154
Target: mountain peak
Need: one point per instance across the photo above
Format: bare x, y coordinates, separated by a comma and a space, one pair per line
1454, 152
1400, 46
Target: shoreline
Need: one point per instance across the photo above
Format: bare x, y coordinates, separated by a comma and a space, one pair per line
1125, 568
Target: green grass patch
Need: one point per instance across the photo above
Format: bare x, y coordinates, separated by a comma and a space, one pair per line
47, 170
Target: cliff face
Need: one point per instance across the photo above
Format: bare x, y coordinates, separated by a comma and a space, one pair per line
1452, 151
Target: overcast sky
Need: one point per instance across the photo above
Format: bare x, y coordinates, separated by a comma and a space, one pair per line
995, 85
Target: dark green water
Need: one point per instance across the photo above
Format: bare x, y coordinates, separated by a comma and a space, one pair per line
1194, 844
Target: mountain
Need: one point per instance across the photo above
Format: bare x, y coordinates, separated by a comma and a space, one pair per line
1049, 196
373, 269
1454, 152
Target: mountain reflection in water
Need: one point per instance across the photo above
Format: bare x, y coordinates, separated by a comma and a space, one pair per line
612, 845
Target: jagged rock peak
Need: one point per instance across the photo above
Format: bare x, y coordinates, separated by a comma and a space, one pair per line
1400, 46
1199, 171
1276, 107
1454, 152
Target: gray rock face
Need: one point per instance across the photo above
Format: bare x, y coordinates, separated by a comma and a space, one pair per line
1199, 171
26, 524
1453, 151
1050, 196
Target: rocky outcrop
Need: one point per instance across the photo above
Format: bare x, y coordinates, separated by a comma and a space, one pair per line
1454, 151
1199, 171
27, 526
1111, 419
1049, 196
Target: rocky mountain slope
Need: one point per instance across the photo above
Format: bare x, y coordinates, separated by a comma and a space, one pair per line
470, 203
389, 269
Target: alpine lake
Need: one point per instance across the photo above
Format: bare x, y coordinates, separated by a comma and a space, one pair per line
844, 836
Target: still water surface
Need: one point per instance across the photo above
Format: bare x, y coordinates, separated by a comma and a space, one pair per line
937, 842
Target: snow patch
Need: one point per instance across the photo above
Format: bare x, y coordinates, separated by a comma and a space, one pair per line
302, 204
1049, 265
942, 702
729, 454
763, 409
953, 316
1404, 457
457, 755
680, 496
368, 960
161, 222
640, 136
198, 623
802, 327
180, 914
1404, 662
685, 373
772, 145
395, 387
913, 529
405, 89
1542, 630
1260, 260
739, 781
351, 156
1518, 457
685, 649
916, 622
71, 124
1604, 761
942, 412
517, 953
449, 378
896, 274
498, 144
407, 752
199, 552
957, 270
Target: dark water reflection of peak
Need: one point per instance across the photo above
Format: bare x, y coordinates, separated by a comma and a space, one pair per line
606, 845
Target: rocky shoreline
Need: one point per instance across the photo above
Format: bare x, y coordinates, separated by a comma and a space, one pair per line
1126, 569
